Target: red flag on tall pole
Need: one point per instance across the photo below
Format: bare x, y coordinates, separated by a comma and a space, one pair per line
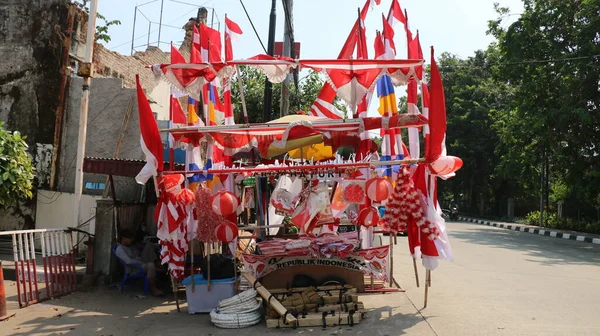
396, 14
150, 138
232, 32
437, 114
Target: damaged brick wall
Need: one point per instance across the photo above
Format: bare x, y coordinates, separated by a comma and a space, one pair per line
30, 47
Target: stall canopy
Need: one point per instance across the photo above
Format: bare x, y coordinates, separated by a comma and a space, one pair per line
351, 79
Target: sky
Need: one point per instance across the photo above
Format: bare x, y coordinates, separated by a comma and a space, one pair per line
321, 26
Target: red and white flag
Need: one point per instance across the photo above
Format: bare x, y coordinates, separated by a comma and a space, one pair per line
396, 14
388, 39
195, 51
436, 146
210, 44
232, 33
150, 138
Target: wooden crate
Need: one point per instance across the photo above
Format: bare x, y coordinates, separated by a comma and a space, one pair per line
318, 320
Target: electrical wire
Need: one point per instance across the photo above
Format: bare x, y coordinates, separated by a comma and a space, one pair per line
254, 28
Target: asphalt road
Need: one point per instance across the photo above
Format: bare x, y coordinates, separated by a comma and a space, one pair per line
502, 283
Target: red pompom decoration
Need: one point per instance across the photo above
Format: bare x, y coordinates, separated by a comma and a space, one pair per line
224, 203
226, 232
186, 196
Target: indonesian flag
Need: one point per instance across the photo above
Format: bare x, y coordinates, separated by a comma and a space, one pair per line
379, 47
396, 14
195, 52
436, 146
232, 33
323, 106
414, 52
150, 138
210, 44
388, 39
425, 98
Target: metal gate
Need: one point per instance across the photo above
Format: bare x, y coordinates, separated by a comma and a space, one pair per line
53, 275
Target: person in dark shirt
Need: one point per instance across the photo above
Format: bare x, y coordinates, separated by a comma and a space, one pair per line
144, 255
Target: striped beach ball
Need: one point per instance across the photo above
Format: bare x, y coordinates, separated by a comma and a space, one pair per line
224, 203
379, 189
368, 217
226, 232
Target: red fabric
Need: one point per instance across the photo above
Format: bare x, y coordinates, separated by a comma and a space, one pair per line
195, 50
437, 113
210, 40
177, 115
409, 36
379, 46
148, 127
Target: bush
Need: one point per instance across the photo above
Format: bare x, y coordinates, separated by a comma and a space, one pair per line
16, 169
552, 221
533, 218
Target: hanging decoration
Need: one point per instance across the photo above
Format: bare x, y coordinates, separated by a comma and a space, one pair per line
224, 203
170, 216
354, 192
405, 208
368, 217
208, 220
226, 232
186, 196
378, 189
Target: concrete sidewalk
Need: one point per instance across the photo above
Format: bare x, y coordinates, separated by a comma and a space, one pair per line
571, 235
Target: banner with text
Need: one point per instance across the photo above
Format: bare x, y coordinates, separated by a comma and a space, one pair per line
374, 261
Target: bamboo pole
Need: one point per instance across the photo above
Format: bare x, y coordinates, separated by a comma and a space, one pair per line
427, 280
192, 257
416, 271
266, 295
243, 99
209, 249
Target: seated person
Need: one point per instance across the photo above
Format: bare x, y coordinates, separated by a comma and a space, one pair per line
144, 256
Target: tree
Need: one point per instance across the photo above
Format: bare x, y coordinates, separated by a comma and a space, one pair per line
253, 82
16, 170
102, 30
549, 56
473, 98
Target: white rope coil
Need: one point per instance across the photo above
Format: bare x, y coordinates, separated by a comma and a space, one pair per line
240, 311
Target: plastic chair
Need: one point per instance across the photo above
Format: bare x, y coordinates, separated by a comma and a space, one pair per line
137, 275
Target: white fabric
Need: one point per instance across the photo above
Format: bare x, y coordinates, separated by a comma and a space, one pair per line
149, 168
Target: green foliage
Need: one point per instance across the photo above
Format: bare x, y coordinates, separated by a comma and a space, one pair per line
102, 30
547, 57
16, 169
533, 218
254, 85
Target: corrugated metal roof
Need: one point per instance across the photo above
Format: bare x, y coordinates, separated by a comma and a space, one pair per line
117, 167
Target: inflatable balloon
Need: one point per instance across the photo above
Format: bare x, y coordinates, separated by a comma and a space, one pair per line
226, 232
378, 189
224, 203
368, 217
445, 165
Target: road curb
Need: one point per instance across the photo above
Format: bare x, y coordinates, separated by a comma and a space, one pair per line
538, 231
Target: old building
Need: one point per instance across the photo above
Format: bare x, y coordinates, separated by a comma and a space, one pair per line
42, 43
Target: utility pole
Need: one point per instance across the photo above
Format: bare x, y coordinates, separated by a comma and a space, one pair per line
268, 97
85, 71
288, 34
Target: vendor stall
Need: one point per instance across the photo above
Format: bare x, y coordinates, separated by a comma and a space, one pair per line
292, 268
